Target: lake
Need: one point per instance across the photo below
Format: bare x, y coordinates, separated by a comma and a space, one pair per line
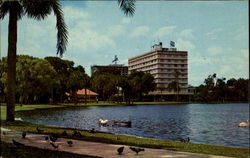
202, 123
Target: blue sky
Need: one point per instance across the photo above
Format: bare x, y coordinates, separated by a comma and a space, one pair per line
215, 34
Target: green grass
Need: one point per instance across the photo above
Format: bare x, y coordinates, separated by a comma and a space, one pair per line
9, 150
133, 141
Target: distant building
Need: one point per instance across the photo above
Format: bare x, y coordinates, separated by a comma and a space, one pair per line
166, 65
123, 70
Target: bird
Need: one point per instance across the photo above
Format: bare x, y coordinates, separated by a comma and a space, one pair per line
184, 140
39, 130
64, 133
23, 135
54, 145
17, 143
244, 124
92, 130
77, 134
120, 150
137, 150
70, 143
53, 138
103, 121
46, 138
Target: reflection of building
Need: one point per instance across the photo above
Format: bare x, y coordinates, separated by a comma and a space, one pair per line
166, 65
121, 68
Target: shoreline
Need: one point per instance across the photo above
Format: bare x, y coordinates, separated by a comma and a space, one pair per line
110, 138
125, 139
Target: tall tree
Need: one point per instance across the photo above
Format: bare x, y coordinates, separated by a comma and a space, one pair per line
37, 9
176, 76
141, 83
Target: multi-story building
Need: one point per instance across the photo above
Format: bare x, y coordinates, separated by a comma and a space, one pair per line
121, 68
166, 65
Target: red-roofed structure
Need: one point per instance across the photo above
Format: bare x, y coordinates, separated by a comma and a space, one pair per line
89, 92
85, 96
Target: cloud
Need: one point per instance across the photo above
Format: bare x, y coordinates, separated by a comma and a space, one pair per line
116, 30
215, 50
139, 31
164, 31
126, 20
213, 34
87, 39
184, 45
187, 33
74, 14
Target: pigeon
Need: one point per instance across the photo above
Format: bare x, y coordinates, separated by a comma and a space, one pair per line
46, 138
184, 140
54, 145
23, 135
53, 138
120, 150
17, 143
39, 130
77, 134
137, 150
64, 133
92, 130
70, 143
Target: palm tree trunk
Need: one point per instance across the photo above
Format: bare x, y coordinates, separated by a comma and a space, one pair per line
85, 100
11, 69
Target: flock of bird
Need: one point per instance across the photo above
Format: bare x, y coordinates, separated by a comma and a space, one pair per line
51, 139
136, 150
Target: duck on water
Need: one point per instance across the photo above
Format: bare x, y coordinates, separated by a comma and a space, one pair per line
244, 124
115, 123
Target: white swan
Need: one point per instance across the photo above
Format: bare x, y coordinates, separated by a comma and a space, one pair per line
103, 121
244, 124
18, 119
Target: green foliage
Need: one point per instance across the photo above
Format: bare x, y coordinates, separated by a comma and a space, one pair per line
141, 83
34, 78
108, 83
219, 90
38, 79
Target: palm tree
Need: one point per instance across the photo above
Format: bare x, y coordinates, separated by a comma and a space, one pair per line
176, 76
127, 6
37, 9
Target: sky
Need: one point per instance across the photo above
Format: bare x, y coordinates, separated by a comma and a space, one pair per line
215, 34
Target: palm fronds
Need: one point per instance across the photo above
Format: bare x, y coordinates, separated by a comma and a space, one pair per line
127, 6
62, 34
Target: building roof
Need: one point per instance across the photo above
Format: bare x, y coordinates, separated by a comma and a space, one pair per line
89, 92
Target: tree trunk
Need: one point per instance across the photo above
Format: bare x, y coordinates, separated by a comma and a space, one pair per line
11, 69
85, 100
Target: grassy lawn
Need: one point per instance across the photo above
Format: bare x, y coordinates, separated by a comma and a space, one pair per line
133, 141
11, 151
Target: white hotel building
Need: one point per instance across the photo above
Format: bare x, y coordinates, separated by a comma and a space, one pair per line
163, 63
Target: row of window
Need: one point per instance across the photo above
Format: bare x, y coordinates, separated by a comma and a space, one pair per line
149, 57
182, 85
160, 65
173, 61
168, 79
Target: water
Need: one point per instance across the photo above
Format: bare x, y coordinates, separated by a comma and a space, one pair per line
203, 123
